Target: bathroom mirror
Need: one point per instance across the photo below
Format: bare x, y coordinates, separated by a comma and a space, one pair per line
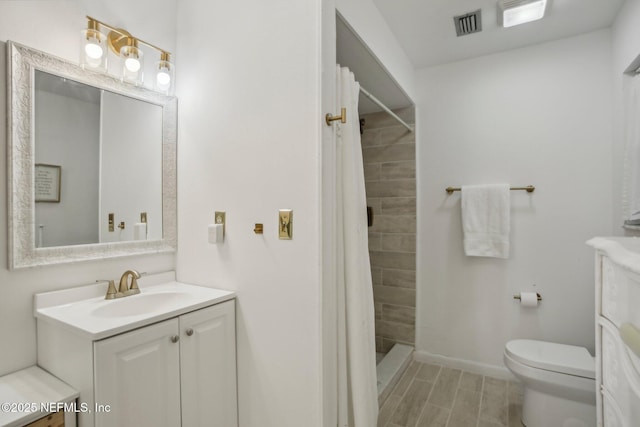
91, 164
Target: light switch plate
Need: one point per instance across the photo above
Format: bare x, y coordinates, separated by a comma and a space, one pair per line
285, 224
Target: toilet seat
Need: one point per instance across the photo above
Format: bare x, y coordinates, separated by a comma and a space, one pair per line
561, 358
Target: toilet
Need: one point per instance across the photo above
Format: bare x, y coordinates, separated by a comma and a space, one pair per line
558, 380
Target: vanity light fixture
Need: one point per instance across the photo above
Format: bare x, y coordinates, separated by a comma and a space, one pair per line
93, 52
164, 74
127, 48
516, 12
132, 61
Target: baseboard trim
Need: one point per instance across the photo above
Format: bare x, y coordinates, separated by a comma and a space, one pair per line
500, 372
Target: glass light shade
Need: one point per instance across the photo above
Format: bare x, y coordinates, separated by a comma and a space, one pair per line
132, 64
165, 77
93, 53
522, 12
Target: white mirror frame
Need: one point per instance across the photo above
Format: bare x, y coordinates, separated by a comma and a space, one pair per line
22, 252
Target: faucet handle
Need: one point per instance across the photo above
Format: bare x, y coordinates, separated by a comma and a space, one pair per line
111, 290
134, 289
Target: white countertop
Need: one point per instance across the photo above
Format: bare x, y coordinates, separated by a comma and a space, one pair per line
161, 297
23, 392
624, 251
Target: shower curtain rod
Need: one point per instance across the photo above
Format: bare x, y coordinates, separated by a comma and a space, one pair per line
385, 108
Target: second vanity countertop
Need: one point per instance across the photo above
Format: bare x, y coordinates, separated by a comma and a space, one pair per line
85, 311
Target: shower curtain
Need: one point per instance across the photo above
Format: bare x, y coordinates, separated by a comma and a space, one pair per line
357, 380
631, 183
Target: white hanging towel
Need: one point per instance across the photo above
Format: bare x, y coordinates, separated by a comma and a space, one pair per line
486, 220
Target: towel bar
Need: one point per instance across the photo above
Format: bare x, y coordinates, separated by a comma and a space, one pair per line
528, 188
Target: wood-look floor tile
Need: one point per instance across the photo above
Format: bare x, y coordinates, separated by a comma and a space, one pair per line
433, 416
406, 379
399, 278
471, 381
493, 408
410, 408
444, 390
370, 138
398, 242
467, 403
515, 415
459, 419
395, 170
398, 205
456, 399
397, 313
387, 410
428, 372
495, 387
515, 392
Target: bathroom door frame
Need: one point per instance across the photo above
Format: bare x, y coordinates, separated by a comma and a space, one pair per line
328, 193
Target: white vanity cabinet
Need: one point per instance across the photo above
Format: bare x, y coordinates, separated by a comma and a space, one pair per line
176, 372
617, 331
146, 374
138, 375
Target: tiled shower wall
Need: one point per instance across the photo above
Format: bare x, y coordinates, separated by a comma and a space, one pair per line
389, 153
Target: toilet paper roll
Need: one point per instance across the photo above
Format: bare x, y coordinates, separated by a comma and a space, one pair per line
140, 231
528, 299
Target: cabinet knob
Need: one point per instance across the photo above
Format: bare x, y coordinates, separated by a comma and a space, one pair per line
175, 338
189, 332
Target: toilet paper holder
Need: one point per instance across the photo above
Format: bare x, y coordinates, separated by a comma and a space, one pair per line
538, 295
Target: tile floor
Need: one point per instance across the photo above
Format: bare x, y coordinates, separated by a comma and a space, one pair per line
435, 396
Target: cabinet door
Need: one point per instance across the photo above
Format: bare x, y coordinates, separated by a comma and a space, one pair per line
138, 375
208, 367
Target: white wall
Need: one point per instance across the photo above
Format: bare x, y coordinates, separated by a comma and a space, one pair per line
131, 166
249, 144
626, 47
539, 115
67, 134
54, 27
367, 22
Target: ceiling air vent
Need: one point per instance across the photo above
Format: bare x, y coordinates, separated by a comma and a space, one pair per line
468, 23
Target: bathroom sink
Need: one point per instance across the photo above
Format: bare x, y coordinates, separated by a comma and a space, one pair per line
86, 311
136, 305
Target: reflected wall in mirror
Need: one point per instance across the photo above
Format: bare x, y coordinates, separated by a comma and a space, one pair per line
114, 147
110, 148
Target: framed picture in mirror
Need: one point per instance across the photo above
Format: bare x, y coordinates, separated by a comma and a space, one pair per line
47, 183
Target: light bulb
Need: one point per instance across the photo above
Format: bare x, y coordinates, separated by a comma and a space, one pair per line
164, 74
92, 53
132, 64
93, 50
163, 78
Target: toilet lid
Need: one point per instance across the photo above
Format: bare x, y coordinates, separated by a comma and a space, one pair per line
562, 358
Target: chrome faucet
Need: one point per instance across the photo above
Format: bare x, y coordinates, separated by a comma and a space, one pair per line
127, 289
